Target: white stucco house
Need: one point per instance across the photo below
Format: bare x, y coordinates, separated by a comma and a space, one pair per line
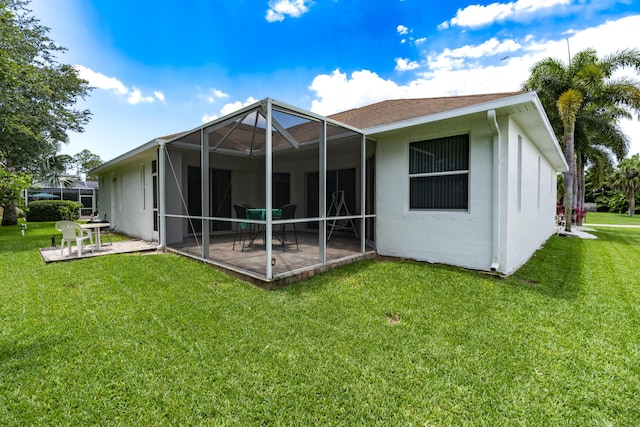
468, 181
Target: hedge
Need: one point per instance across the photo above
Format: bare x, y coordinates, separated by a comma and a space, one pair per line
52, 210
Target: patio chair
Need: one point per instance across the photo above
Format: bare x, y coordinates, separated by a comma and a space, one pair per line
288, 212
72, 232
241, 227
107, 233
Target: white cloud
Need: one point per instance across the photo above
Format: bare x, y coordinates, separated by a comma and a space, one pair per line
336, 92
420, 40
229, 108
606, 38
458, 72
209, 118
293, 8
402, 30
135, 97
103, 82
465, 76
457, 58
213, 95
476, 15
235, 106
451, 72
403, 64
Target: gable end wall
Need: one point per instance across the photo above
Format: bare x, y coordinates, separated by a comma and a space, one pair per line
526, 229
449, 237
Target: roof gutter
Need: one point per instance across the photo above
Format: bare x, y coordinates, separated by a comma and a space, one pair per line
109, 164
454, 113
497, 199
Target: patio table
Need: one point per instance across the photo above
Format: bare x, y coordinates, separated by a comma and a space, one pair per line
96, 226
260, 213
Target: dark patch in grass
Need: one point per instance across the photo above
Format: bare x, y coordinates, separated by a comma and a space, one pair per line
393, 319
555, 271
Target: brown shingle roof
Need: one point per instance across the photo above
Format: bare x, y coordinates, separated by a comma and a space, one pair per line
173, 135
397, 110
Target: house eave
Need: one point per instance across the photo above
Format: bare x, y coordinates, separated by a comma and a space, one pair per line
124, 157
545, 137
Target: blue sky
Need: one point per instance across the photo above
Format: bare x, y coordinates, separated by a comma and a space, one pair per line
161, 67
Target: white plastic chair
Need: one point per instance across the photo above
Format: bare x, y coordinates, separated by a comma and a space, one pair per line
72, 232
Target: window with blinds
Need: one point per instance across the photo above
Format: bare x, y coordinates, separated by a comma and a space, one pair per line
439, 173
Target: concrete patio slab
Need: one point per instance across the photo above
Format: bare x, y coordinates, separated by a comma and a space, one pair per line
125, 246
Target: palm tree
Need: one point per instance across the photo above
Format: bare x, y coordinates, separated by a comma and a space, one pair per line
568, 105
627, 179
598, 139
580, 99
53, 172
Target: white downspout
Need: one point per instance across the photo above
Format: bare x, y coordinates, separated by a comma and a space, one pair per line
162, 198
497, 205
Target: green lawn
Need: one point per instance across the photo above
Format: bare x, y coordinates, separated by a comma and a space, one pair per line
165, 340
611, 218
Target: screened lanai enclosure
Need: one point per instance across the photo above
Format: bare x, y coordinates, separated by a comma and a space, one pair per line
271, 191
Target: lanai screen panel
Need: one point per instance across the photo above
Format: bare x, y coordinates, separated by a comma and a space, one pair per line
295, 175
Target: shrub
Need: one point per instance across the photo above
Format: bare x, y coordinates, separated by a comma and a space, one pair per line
618, 203
53, 210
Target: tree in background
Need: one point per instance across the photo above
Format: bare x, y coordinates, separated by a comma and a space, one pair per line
11, 187
598, 140
584, 103
37, 94
597, 186
85, 161
54, 172
627, 179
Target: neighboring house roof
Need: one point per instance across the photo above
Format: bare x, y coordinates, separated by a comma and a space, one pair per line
79, 185
86, 185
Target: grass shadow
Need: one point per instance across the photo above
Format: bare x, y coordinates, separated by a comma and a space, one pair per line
555, 270
20, 356
317, 283
619, 236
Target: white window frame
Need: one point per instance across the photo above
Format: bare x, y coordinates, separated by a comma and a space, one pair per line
442, 173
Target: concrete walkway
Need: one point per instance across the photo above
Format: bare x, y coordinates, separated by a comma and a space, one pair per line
614, 225
580, 232
584, 231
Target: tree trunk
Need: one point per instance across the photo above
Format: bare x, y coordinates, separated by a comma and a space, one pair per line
9, 215
632, 202
568, 176
579, 205
576, 190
